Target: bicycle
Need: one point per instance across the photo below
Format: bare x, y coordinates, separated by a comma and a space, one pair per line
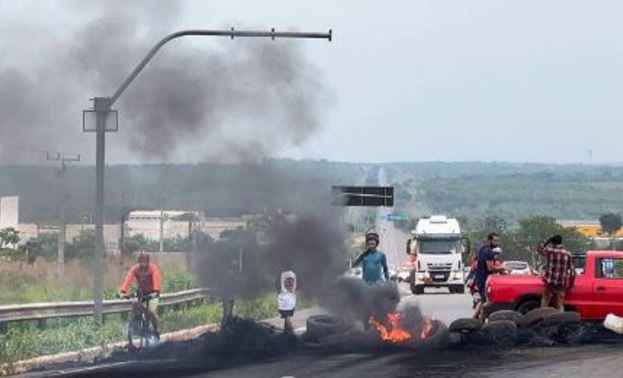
140, 330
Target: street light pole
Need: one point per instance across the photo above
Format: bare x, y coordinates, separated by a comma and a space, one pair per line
102, 106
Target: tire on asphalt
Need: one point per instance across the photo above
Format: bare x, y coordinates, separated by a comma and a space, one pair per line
501, 332
438, 335
560, 327
455, 339
559, 318
319, 326
536, 315
465, 325
511, 315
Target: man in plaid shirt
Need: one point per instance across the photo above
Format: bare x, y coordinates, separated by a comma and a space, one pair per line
559, 272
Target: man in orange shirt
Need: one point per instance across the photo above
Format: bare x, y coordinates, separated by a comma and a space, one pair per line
148, 279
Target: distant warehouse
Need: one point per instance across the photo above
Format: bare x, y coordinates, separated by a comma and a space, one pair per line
156, 224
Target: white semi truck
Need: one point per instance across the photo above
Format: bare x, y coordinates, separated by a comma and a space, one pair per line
436, 250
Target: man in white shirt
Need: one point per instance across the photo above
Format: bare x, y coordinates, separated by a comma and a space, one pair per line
286, 299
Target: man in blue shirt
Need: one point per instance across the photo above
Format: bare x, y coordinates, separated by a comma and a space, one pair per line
486, 266
373, 261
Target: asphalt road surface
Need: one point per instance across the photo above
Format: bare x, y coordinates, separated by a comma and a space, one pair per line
393, 241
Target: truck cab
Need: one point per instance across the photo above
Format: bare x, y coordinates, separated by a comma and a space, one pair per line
436, 249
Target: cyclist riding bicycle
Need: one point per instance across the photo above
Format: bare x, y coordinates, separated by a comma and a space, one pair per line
147, 276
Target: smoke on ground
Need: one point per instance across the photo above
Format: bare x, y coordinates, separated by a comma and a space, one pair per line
356, 300
228, 101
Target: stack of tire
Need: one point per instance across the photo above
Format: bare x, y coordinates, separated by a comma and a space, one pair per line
543, 326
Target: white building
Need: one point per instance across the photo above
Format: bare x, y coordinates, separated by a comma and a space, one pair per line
9, 212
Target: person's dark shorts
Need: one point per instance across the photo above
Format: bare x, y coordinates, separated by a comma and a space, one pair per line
286, 313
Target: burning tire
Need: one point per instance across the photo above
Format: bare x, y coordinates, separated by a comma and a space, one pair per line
511, 315
465, 325
319, 326
536, 315
501, 332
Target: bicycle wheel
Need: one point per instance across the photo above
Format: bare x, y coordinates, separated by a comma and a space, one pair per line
134, 333
145, 336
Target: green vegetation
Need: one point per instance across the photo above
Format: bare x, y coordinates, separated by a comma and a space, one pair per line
515, 197
28, 283
177, 244
9, 250
45, 246
519, 243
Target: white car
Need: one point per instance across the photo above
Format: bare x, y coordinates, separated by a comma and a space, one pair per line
518, 268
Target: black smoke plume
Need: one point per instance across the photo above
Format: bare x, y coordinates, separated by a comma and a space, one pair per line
225, 101
310, 245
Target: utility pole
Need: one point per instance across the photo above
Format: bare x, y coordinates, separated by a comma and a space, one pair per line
102, 119
161, 249
60, 262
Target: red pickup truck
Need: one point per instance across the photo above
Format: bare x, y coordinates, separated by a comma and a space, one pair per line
598, 288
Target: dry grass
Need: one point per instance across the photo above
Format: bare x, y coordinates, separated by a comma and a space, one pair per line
25, 283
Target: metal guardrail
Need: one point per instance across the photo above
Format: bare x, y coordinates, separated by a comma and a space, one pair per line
42, 311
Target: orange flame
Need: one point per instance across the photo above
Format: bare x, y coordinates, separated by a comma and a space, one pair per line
393, 332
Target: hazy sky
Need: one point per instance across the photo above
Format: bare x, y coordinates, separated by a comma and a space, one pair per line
491, 80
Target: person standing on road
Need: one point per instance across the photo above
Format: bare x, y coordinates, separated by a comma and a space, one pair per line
486, 265
373, 261
286, 299
559, 273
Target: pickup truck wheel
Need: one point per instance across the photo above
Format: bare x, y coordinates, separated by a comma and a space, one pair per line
459, 289
513, 316
527, 306
536, 315
466, 325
